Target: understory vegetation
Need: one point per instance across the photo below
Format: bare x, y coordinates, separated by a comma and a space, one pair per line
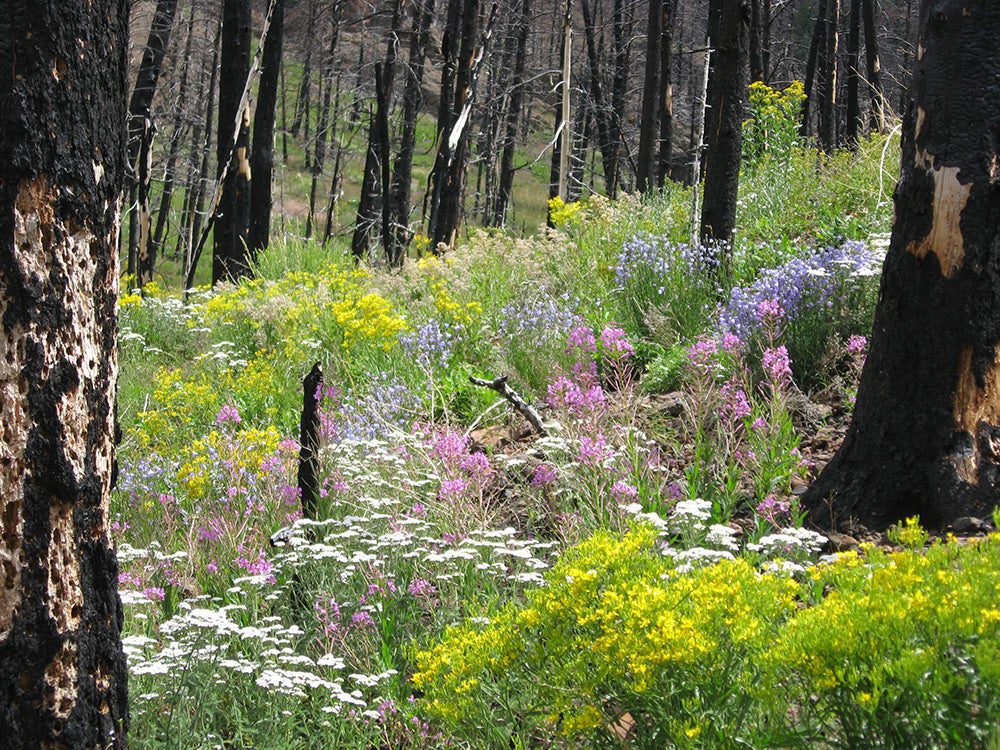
638, 576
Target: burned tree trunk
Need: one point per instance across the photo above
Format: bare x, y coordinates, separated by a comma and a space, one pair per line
505, 187
874, 65
729, 27
309, 426
818, 39
262, 153
323, 125
853, 129
926, 429
646, 167
230, 259
666, 105
402, 169
63, 678
302, 100
140, 128
827, 129
609, 156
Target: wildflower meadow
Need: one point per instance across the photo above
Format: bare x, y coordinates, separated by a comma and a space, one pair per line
636, 573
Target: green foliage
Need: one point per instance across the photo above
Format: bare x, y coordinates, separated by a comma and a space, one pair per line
895, 650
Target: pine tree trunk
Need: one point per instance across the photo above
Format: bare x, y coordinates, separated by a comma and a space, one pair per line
853, 74
262, 152
869, 9
666, 114
648, 130
176, 138
140, 132
729, 28
230, 257
402, 173
817, 41
63, 676
926, 428
323, 125
505, 187
827, 129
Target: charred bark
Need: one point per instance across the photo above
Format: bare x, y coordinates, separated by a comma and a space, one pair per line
729, 28
666, 104
309, 426
817, 41
926, 429
262, 153
63, 677
869, 8
402, 170
648, 131
505, 188
230, 259
140, 129
827, 126
853, 129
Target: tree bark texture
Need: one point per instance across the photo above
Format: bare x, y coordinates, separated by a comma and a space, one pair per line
505, 189
648, 131
724, 127
63, 678
818, 39
666, 103
230, 259
827, 129
925, 437
852, 62
869, 9
262, 151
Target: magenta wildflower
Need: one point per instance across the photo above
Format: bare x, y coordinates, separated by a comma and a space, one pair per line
594, 451
623, 492
228, 414
777, 365
450, 487
582, 338
614, 342
735, 404
857, 344
154, 593
544, 474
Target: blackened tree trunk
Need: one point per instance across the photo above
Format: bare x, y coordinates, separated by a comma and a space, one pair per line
323, 125
666, 104
756, 42
302, 100
230, 257
869, 9
602, 119
853, 74
827, 129
373, 202
176, 138
450, 45
729, 28
63, 677
505, 188
140, 129
262, 153
402, 169
622, 32
648, 130
817, 41
926, 426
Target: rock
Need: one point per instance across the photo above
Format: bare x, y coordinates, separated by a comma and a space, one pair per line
672, 403
969, 525
837, 542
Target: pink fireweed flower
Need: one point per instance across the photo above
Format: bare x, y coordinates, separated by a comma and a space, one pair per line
594, 451
623, 492
154, 593
732, 344
362, 619
615, 343
701, 354
857, 345
774, 510
777, 365
735, 404
769, 310
582, 338
421, 588
476, 464
759, 424
564, 393
228, 414
544, 474
452, 487
450, 447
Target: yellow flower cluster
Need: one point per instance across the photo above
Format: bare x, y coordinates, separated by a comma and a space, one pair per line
616, 627
197, 471
562, 213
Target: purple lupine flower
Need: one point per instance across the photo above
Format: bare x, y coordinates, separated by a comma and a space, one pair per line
540, 317
431, 344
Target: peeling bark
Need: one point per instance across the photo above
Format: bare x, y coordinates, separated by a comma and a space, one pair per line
925, 438
62, 163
